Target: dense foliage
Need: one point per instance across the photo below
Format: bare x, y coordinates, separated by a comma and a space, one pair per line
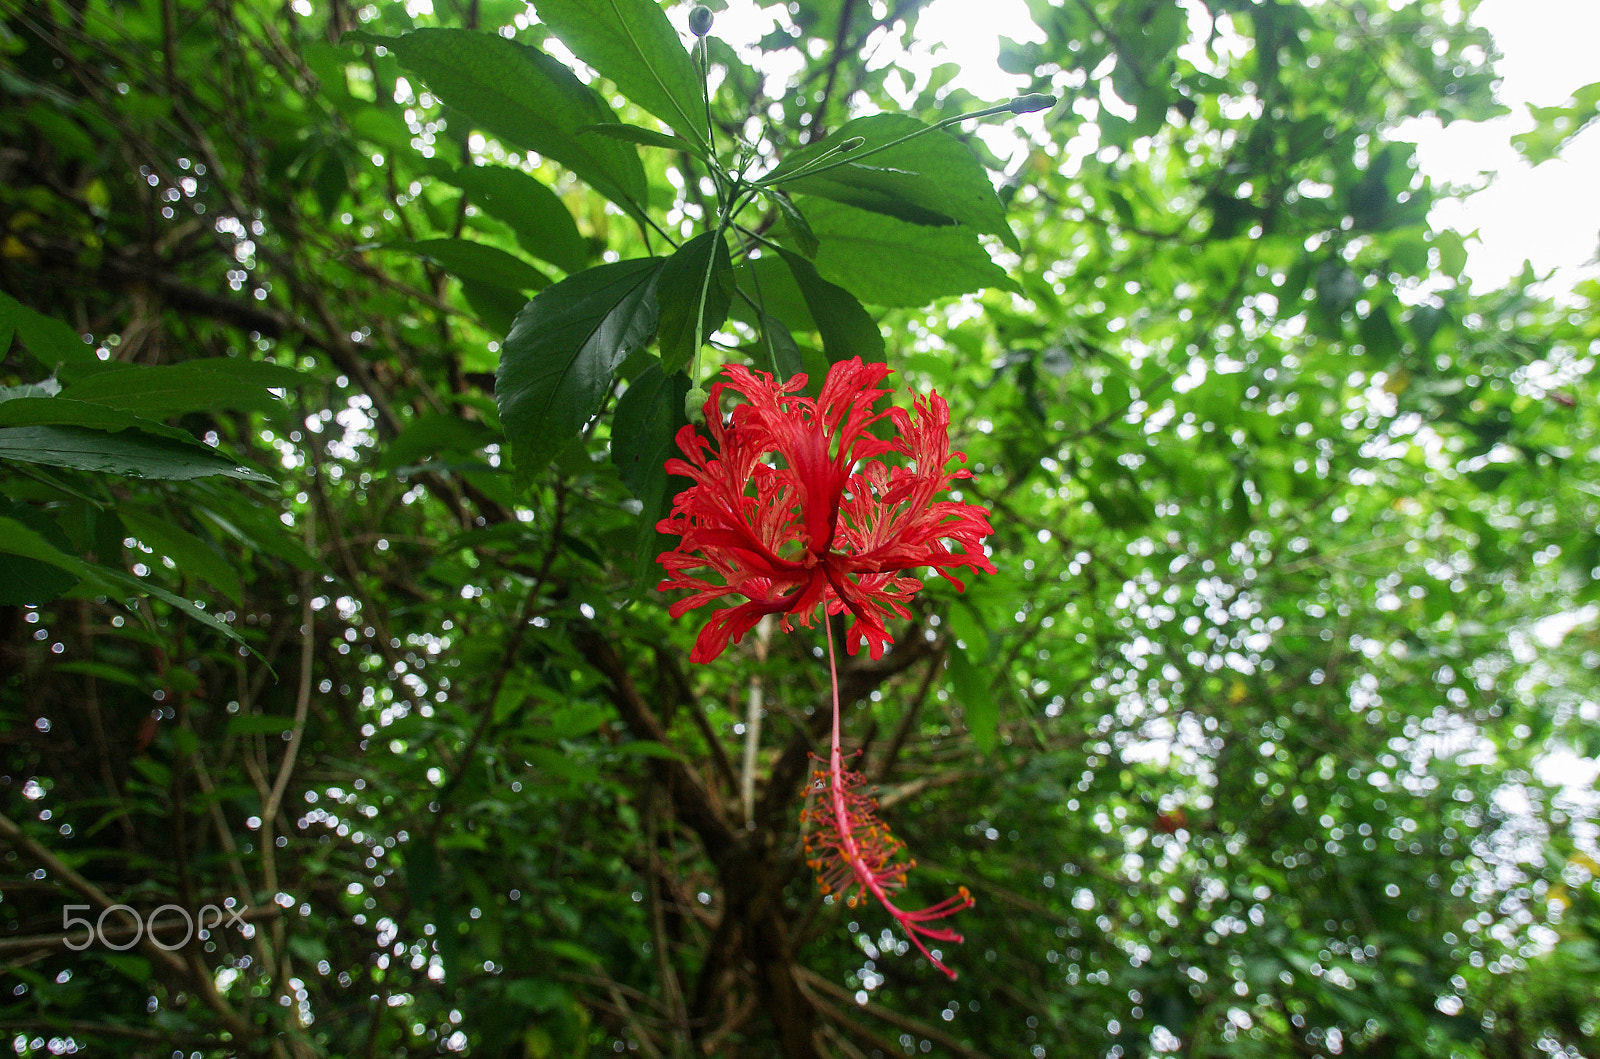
327, 581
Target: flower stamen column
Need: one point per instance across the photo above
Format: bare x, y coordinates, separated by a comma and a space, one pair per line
849, 846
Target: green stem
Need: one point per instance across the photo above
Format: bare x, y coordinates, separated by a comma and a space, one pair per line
815, 167
760, 306
705, 94
738, 202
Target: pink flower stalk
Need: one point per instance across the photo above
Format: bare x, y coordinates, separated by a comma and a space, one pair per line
791, 505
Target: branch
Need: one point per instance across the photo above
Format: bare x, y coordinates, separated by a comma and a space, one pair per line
688, 792
855, 682
908, 719
847, 11
155, 953
810, 980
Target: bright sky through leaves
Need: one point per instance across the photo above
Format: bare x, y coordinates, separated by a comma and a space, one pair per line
1546, 214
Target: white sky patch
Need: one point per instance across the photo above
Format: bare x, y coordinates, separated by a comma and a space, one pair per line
968, 32
1548, 215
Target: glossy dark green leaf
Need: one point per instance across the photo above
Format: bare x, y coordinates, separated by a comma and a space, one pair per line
637, 135
19, 539
696, 285
214, 384
543, 225
526, 99
847, 329
643, 435
65, 412
800, 233
130, 453
932, 179
883, 260
476, 261
632, 43
556, 365
191, 555
31, 580
52, 343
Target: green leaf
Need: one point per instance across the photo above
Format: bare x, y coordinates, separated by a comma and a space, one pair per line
576, 719
214, 384
9, 310
422, 870
1452, 252
643, 436
138, 587
433, 435
778, 347
1378, 334
495, 307
569, 951
695, 284
932, 179
977, 705
536, 995
311, 950
846, 328
190, 554
53, 344
26, 580
241, 518
543, 225
259, 724
632, 43
43, 388
527, 100
799, 229
333, 181
556, 365
18, 539
1557, 126
643, 137
62, 412
476, 262
883, 260
766, 284
131, 453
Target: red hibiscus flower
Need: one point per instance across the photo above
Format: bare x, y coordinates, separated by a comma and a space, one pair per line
792, 504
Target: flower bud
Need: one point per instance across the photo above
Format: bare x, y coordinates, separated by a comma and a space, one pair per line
700, 20
694, 406
1034, 101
